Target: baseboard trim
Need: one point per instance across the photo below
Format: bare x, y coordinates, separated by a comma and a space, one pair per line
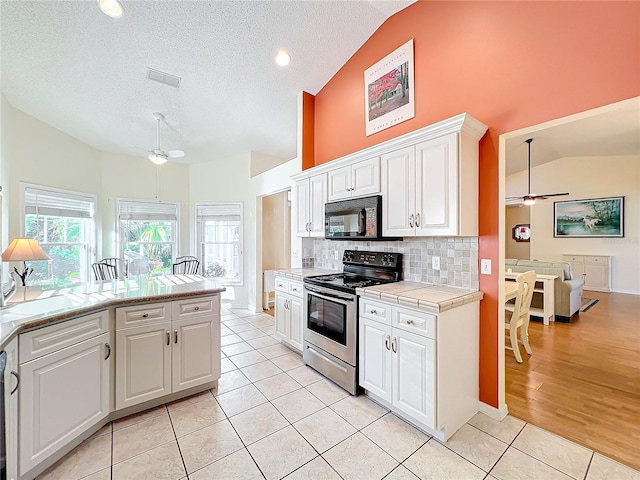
496, 413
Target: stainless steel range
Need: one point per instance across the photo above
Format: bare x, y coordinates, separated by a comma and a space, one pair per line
331, 313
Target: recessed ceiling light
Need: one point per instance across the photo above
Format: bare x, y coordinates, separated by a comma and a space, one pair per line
283, 58
113, 8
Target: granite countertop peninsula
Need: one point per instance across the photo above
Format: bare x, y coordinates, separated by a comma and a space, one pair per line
300, 273
423, 296
51, 306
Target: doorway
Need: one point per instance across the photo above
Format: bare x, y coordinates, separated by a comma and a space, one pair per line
276, 242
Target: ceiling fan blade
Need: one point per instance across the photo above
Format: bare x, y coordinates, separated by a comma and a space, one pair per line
549, 195
514, 198
175, 153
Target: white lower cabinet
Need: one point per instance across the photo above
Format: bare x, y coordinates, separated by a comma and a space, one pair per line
62, 393
288, 312
179, 349
422, 366
11, 384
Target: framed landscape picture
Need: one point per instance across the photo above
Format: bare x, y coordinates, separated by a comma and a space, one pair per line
593, 217
389, 91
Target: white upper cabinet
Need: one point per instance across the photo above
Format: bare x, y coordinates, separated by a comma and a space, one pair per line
361, 178
428, 179
430, 189
311, 195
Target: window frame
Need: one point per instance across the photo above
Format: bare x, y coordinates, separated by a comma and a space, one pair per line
141, 203
199, 238
69, 195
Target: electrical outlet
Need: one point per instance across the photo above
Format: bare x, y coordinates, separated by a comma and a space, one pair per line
335, 255
435, 263
485, 266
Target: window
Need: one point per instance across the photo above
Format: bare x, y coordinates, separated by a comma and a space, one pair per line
219, 236
148, 234
63, 223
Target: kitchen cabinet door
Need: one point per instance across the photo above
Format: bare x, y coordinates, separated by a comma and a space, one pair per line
398, 190
281, 316
143, 363
295, 325
11, 393
317, 199
62, 394
195, 355
339, 183
365, 177
374, 362
414, 376
437, 186
301, 194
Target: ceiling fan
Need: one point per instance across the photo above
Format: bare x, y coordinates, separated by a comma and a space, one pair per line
530, 198
157, 155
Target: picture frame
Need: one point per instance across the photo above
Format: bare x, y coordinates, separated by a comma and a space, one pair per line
591, 217
389, 90
521, 233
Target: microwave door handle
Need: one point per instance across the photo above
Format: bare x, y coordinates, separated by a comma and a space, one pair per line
363, 223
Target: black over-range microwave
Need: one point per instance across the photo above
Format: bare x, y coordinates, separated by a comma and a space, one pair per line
355, 219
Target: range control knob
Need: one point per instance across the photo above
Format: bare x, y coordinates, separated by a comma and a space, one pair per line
387, 258
348, 256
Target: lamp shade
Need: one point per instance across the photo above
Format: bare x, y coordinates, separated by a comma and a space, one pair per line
22, 250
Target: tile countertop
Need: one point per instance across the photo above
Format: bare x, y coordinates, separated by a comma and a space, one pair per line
423, 296
300, 273
63, 304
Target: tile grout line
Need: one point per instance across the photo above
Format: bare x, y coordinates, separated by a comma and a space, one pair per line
175, 435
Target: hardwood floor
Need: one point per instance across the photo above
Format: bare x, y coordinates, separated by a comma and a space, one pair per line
583, 380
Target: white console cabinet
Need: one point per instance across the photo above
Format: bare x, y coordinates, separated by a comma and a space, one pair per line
288, 312
422, 366
595, 269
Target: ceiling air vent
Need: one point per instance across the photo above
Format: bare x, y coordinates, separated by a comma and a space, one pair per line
162, 77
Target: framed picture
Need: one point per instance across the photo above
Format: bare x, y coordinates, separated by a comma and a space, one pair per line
593, 217
521, 233
389, 90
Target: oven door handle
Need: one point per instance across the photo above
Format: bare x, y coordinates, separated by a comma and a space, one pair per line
328, 296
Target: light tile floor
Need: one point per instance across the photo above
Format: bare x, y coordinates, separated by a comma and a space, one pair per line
272, 417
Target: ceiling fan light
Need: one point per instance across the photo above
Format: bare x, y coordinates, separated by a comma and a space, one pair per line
529, 201
157, 159
113, 8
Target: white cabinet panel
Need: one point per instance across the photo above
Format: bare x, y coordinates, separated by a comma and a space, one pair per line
414, 376
196, 359
374, 357
11, 386
356, 180
143, 363
310, 197
281, 316
288, 315
398, 193
62, 394
339, 182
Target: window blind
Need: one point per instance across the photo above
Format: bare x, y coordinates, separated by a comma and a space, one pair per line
40, 201
140, 210
221, 211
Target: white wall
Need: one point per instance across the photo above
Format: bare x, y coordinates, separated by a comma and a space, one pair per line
35, 152
587, 177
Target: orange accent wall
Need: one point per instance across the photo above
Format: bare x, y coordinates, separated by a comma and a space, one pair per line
308, 102
510, 65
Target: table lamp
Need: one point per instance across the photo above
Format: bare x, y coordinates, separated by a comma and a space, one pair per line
23, 250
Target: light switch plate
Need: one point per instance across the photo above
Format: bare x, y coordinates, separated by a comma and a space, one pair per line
485, 266
435, 263
335, 255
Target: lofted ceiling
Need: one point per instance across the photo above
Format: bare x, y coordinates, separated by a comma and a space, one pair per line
611, 131
72, 67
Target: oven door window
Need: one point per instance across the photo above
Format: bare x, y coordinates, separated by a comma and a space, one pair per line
327, 318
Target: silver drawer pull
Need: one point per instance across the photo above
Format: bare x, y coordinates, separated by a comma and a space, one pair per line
410, 322
386, 342
196, 308
374, 312
393, 345
17, 384
145, 315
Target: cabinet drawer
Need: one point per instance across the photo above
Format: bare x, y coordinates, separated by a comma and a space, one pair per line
573, 258
295, 288
46, 340
141, 314
414, 321
193, 307
595, 259
375, 310
282, 284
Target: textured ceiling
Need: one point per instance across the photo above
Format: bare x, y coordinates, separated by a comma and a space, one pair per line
71, 66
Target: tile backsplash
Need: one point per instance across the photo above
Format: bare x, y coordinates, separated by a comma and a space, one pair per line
458, 258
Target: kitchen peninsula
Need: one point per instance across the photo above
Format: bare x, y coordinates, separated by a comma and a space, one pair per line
80, 357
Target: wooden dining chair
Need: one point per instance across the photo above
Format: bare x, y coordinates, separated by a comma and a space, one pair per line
109, 269
519, 317
187, 265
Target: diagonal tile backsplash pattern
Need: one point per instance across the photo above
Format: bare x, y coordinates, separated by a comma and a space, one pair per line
458, 258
